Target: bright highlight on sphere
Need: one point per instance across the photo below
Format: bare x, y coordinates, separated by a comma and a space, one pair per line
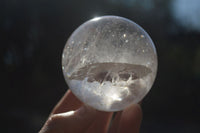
109, 63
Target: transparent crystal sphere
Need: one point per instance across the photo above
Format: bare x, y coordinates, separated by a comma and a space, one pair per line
109, 63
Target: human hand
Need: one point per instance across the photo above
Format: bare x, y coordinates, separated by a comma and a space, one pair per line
71, 116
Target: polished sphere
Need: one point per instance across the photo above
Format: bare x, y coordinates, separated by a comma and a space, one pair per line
109, 63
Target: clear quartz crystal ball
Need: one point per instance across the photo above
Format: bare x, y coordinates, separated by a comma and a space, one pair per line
109, 63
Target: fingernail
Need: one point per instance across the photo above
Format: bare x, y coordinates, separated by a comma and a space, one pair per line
84, 110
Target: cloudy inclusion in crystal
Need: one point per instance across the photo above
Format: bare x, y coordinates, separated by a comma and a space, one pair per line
109, 63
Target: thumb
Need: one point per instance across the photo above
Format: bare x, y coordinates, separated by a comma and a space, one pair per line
70, 122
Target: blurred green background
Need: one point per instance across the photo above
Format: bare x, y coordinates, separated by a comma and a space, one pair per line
34, 32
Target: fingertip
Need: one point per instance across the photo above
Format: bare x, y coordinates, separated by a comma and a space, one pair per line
131, 119
101, 123
133, 110
71, 121
67, 103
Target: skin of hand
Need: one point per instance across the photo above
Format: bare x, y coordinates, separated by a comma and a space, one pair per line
71, 116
